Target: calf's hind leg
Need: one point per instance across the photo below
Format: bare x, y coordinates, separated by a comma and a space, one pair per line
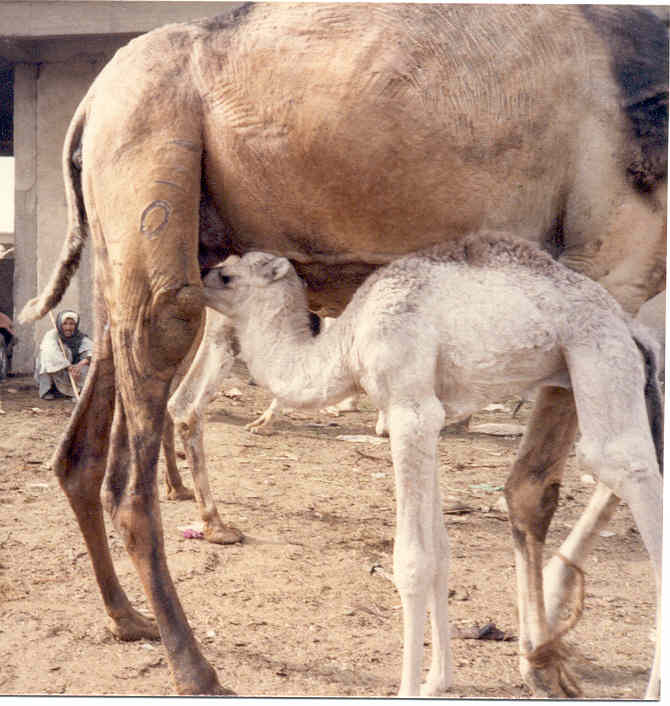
617, 446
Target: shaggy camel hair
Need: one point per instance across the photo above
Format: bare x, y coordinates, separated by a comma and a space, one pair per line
439, 334
342, 136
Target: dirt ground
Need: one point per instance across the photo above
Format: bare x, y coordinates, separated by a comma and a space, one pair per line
297, 608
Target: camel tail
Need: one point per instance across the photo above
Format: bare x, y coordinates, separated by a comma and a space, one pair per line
649, 348
70, 255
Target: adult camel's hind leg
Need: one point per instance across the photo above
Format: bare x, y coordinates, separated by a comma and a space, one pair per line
155, 301
532, 491
79, 463
132, 493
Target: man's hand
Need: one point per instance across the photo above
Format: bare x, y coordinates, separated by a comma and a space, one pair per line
76, 369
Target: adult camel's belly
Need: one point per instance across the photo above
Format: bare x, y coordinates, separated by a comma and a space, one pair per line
343, 136
369, 143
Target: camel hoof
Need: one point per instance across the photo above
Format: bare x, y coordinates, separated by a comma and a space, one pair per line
181, 493
435, 687
546, 673
222, 534
554, 682
136, 627
207, 685
215, 690
542, 685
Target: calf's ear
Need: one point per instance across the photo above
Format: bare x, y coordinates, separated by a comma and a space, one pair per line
276, 268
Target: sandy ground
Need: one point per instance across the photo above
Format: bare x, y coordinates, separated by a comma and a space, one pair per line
297, 609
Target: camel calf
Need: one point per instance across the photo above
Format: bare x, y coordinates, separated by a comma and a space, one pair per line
440, 334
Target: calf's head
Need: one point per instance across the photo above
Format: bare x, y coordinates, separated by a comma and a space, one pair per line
239, 283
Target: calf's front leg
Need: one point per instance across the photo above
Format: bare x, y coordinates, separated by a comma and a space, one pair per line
414, 431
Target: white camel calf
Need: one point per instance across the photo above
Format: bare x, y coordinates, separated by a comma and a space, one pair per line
446, 331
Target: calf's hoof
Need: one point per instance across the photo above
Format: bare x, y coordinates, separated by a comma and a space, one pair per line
435, 686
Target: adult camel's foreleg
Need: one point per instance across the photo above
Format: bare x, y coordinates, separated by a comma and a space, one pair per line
79, 463
212, 363
176, 490
532, 491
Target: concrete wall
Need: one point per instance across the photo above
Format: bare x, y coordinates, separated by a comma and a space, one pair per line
25, 204
46, 96
67, 18
51, 75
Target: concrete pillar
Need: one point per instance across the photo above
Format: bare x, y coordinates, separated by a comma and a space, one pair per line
25, 206
59, 92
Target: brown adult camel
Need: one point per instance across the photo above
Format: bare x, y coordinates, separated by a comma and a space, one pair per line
343, 136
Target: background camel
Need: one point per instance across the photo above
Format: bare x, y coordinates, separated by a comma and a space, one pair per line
434, 335
342, 137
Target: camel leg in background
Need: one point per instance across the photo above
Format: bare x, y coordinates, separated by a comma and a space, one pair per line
211, 365
532, 491
176, 490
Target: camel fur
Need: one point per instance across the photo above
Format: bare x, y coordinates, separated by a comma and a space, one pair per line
342, 136
438, 335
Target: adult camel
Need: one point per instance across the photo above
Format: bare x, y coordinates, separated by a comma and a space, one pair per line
343, 136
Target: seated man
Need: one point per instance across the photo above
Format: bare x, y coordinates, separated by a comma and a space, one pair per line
7, 343
62, 350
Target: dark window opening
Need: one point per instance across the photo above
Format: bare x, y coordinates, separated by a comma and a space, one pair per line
6, 110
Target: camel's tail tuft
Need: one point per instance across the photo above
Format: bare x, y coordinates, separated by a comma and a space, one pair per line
70, 255
68, 263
